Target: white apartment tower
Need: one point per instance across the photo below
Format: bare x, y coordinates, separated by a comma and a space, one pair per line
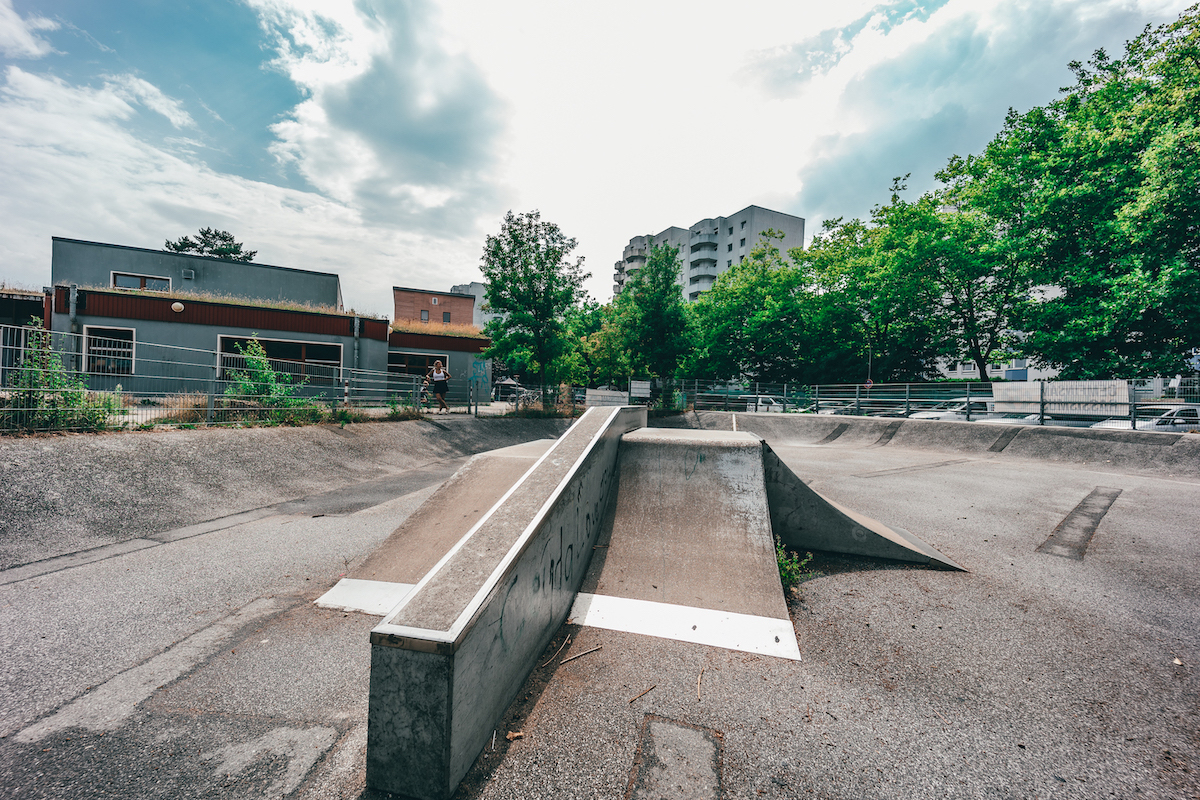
710, 246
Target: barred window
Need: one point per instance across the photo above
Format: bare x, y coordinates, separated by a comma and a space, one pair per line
313, 362
414, 363
108, 351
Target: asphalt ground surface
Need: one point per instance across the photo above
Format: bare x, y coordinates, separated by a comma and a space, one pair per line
198, 667
1033, 675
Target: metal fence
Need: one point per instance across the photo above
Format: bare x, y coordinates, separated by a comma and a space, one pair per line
61, 381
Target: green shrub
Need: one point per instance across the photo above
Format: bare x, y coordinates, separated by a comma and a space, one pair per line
259, 393
43, 395
791, 566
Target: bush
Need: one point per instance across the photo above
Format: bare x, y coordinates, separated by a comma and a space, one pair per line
259, 392
43, 395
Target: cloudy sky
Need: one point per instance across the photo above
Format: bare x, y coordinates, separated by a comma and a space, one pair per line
383, 139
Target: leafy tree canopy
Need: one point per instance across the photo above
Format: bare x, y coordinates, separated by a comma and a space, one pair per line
532, 282
1098, 194
211, 242
754, 321
651, 315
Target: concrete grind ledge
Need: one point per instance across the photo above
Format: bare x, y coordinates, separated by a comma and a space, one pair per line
448, 661
1161, 454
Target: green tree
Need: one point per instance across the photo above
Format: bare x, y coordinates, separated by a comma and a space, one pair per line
947, 262
652, 315
865, 326
753, 323
607, 353
211, 242
531, 283
1099, 193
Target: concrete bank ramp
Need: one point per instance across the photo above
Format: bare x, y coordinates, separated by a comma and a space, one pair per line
1143, 452
691, 533
388, 575
687, 552
803, 519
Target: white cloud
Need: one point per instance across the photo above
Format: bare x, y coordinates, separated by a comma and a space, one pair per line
17, 36
394, 122
896, 93
75, 170
136, 90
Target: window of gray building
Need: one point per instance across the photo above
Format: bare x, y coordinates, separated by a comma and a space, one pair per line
743, 224
108, 351
414, 363
730, 246
742, 243
316, 362
128, 280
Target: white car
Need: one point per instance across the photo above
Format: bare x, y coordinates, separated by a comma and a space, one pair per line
1021, 418
762, 402
1166, 419
982, 407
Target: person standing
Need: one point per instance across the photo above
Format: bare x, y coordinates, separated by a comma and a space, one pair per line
441, 384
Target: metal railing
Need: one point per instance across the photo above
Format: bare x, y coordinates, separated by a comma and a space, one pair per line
61, 381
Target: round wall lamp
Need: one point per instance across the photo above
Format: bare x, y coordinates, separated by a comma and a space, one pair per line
177, 306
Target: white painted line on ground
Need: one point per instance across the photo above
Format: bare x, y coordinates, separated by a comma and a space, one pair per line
104, 708
750, 634
369, 597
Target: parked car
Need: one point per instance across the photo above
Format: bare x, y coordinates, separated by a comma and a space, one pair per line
1021, 418
981, 407
835, 407
761, 402
1166, 419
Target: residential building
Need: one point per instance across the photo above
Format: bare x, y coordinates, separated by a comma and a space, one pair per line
710, 246
479, 291
439, 308
1016, 369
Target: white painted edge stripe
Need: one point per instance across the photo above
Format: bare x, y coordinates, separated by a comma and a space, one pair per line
750, 634
369, 597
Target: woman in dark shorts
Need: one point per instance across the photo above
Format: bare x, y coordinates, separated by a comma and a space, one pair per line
441, 383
